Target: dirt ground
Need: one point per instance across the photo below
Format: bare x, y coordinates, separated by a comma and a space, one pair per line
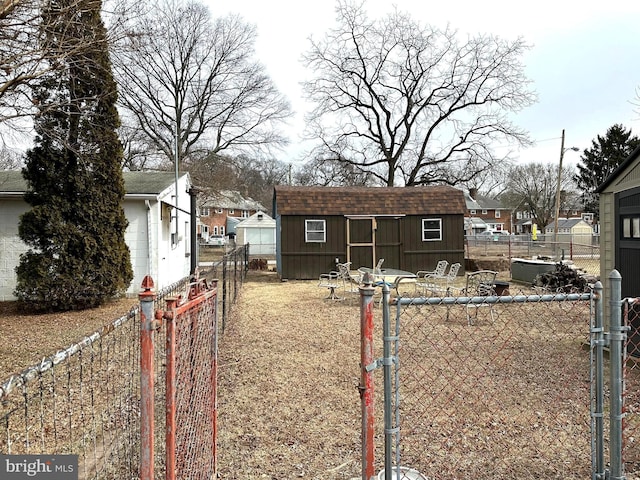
289, 371
26, 339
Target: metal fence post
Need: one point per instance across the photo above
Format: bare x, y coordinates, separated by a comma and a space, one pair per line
617, 340
367, 365
147, 322
388, 359
597, 385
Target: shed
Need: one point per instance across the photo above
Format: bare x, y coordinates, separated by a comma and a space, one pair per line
259, 231
411, 228
159, 236
620, 224
574, 230
620, 236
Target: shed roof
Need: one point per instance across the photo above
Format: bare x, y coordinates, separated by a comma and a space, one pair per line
135, 183
623, 166
431, 200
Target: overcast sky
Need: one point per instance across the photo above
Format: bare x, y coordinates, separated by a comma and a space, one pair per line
583, 61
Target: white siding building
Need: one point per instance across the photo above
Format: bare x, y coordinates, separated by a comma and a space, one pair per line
150, 207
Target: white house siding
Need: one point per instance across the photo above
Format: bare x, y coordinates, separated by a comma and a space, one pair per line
10, 245
152, 254
136, 237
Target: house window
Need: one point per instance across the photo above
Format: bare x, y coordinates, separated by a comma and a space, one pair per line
484, 211
219, 210
431, 229
245, 213
473, 211
215, 230
221, 230
315, 231
497, 213
231, 211
205, 212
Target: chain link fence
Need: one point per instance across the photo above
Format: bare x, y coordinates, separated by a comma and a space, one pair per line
583, 252
531, 384
85, 399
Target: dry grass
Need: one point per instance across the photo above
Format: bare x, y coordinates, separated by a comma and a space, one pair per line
26, 339
289, 405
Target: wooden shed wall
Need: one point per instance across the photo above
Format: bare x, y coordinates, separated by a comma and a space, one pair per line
398, 241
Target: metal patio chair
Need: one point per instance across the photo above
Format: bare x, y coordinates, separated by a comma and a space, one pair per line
426, 279
351, 280
479, 284
331, 281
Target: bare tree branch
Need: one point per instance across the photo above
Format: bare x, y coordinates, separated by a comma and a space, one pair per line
180, 71
398, 99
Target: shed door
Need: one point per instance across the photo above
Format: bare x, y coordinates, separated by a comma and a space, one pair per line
372, 238
628, 241
627, 256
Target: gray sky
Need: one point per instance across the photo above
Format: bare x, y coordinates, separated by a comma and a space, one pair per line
583, 60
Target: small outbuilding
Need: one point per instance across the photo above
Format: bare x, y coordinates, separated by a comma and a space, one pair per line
620, 234
411, 228
259, 231
620, 224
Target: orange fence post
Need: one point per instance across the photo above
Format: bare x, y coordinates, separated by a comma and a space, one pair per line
366, 376
170, 394
147, 323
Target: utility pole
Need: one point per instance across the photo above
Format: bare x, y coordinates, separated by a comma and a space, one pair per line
557, 212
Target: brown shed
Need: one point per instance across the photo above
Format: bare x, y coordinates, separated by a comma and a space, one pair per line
411, 228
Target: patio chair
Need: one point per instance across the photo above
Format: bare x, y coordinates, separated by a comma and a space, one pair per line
331, 281
479, 284
426, 279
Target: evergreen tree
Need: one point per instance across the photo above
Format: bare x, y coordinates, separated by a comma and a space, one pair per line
599, 161
75, 229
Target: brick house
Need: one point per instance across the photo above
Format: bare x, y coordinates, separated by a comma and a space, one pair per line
485, 213
219, 213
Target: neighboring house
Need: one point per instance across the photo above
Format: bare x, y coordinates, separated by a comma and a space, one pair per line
411, 228
620, 225
259, 231
485, 213
220, 213
574, 230
159, 236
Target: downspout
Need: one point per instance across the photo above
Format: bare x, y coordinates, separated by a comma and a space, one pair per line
150, 242
195, 254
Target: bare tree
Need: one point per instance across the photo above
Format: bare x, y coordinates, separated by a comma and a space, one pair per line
404, 100
532, 188
27, 56
334, 172
186, 78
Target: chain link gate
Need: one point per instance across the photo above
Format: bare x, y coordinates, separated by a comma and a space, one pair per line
519, 393
190, 384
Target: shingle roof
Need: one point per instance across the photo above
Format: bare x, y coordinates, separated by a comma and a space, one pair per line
135, 183
232, 199
368, 200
